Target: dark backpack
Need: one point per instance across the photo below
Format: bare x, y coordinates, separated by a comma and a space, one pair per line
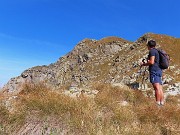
163, 59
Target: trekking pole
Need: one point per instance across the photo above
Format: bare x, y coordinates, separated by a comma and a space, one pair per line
139, 72
138, 77
143, 76
137, 84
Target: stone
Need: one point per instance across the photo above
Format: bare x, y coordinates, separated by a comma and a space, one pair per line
109, 60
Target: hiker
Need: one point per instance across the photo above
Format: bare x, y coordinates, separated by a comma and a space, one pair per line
155, 71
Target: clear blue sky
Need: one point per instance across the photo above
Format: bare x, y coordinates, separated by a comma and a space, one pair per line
38, 32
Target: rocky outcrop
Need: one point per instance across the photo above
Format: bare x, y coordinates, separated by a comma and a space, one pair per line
109, 60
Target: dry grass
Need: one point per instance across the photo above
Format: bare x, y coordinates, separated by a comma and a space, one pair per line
104, 115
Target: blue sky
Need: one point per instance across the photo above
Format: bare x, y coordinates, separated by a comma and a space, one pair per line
38, 32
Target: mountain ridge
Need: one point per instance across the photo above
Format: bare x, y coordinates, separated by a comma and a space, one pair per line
108, 60
89, 91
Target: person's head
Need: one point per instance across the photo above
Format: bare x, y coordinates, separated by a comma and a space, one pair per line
151, 43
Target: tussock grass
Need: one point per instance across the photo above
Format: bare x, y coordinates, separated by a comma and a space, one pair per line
4, 114
104, 115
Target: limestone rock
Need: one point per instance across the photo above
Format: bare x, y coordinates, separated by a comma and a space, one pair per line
109, 60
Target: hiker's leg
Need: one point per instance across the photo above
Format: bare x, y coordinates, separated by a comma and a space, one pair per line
162, 95
155, 79
156, 87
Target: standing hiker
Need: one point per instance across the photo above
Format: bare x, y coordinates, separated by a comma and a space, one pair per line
155, 71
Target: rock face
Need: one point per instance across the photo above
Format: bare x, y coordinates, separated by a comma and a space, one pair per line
109, 60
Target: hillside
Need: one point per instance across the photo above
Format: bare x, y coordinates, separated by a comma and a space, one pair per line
96, 89
109, 60
113, 111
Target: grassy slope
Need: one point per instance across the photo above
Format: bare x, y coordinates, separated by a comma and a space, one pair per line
114, 111
53, 113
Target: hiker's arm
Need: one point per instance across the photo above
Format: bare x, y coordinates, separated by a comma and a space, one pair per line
150, 61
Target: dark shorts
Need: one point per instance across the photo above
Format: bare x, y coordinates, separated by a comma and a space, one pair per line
156, 77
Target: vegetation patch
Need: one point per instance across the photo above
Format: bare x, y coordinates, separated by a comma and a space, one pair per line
114, 110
